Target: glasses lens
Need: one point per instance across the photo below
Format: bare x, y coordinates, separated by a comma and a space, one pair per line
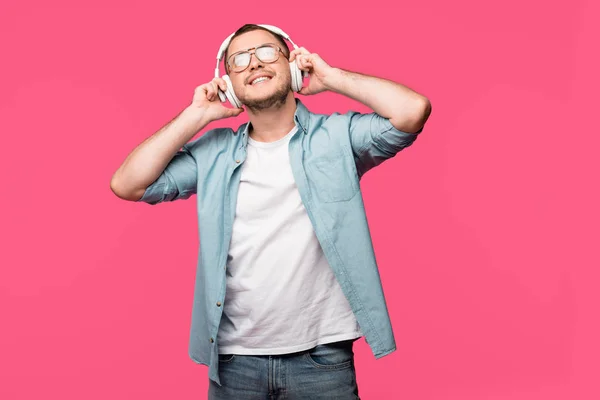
240, 60
267, 54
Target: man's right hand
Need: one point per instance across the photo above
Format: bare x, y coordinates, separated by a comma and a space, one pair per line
207, 104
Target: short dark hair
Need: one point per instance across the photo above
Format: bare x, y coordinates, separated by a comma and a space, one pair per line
254, 27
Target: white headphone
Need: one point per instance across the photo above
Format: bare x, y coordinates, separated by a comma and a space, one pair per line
230, 95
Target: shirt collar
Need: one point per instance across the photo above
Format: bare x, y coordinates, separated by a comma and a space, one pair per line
302, 116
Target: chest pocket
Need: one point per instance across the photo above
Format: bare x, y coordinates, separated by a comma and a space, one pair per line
334, 176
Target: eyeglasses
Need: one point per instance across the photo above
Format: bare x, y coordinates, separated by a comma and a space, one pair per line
266, 53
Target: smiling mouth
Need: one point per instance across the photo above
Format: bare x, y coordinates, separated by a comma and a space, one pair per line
260, 79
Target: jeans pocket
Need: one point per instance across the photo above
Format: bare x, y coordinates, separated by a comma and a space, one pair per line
226, 358
335, 355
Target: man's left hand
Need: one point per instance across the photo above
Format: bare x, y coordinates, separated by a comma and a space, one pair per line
316, 67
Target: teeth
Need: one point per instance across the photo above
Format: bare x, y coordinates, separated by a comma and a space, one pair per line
262, 78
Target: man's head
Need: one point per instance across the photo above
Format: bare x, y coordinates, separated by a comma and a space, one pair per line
244, 67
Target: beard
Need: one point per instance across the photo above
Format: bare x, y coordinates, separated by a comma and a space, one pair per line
274, 100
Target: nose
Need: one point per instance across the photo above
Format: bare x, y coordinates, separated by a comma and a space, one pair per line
254, 61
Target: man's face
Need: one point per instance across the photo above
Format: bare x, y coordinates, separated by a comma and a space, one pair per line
267, 93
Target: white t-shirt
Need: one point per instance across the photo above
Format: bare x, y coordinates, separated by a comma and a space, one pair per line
282, 296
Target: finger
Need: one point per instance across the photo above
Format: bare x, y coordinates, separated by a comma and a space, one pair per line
236, 111
221, 84
200, 89
296, 52
293, 55
303, 64
304, 91
232, 112
311, 58
210, 91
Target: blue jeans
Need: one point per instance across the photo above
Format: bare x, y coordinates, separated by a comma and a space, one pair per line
324, 372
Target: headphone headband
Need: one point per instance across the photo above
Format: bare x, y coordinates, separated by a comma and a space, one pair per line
225, 43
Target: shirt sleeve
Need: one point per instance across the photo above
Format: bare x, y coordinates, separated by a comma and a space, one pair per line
374, 139
177, 181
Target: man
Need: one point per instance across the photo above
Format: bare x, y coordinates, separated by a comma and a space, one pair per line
286, 276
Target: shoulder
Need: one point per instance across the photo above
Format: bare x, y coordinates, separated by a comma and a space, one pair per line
340, 123
335, 117
212, 139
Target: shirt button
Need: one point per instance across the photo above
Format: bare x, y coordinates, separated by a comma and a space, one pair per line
218, 304
237, 161
212, 340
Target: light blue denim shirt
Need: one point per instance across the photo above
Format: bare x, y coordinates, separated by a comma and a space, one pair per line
328, 155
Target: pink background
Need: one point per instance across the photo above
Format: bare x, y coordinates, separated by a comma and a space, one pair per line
486, 241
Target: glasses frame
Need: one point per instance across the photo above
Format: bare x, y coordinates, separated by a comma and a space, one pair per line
252, 51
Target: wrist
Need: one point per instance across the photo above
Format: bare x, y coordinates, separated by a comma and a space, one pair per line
192, 120
333, 79
194, 115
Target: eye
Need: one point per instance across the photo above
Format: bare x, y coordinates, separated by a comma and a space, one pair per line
266, 53
241, 59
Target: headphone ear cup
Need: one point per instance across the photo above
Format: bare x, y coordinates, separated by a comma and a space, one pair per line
296, 76
229, 94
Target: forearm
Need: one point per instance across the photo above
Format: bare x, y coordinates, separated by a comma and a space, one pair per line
406, 109
149, 159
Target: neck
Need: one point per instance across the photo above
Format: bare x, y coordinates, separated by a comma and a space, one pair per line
271, 124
